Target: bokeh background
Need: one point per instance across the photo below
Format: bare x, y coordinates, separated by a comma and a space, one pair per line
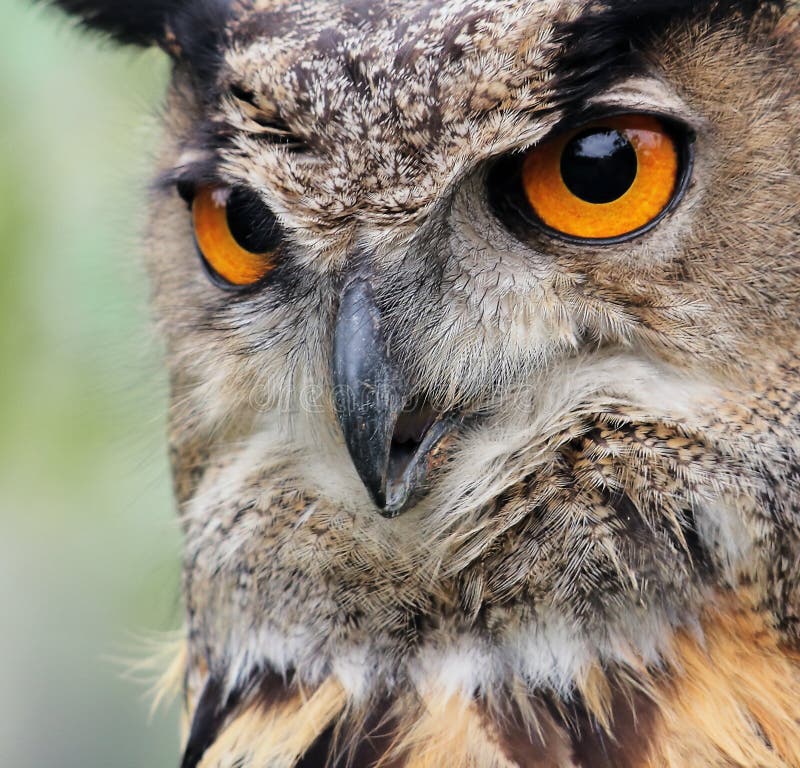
89, 549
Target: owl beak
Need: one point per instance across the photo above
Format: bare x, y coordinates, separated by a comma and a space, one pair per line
391, 444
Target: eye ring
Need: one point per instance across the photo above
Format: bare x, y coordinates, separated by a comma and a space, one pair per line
236, 235
507, 187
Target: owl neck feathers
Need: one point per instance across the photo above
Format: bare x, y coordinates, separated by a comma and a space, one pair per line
724, 695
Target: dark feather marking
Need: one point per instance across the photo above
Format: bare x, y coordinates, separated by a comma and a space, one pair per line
567, 728
526, 745
214, 709
208, 718
633, 717
603, 44
200, 29
364, 744
281, 132
318, 755
272, 689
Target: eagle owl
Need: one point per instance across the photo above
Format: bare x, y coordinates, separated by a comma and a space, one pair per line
483, 327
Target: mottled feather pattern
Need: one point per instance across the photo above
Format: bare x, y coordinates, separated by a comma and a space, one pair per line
605, 571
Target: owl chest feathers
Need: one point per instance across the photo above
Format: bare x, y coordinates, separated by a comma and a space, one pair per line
725, 694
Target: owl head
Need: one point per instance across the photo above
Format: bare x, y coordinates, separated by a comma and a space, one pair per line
483, 320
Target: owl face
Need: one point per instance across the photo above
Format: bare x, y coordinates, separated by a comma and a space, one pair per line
482, 326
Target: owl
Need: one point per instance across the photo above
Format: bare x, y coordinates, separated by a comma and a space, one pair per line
482, 319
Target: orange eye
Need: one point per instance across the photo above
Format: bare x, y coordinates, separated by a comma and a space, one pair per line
236, 234
605, 180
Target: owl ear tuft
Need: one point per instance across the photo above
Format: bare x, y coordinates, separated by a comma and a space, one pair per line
143, 22
191, 31
181, 27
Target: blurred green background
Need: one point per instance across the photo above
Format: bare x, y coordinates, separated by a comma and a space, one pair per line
89, 549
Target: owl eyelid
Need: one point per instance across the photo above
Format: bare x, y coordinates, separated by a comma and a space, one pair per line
194, 169
648, 94
595, 112
187, 188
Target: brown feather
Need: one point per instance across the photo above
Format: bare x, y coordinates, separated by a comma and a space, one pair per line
734, 699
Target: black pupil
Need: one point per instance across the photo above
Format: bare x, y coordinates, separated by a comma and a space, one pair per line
599, 165
251, 223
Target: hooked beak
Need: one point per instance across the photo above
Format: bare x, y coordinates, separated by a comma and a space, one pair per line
393, 441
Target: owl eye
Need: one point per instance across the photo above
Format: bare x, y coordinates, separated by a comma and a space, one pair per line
609, 180
236, 234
